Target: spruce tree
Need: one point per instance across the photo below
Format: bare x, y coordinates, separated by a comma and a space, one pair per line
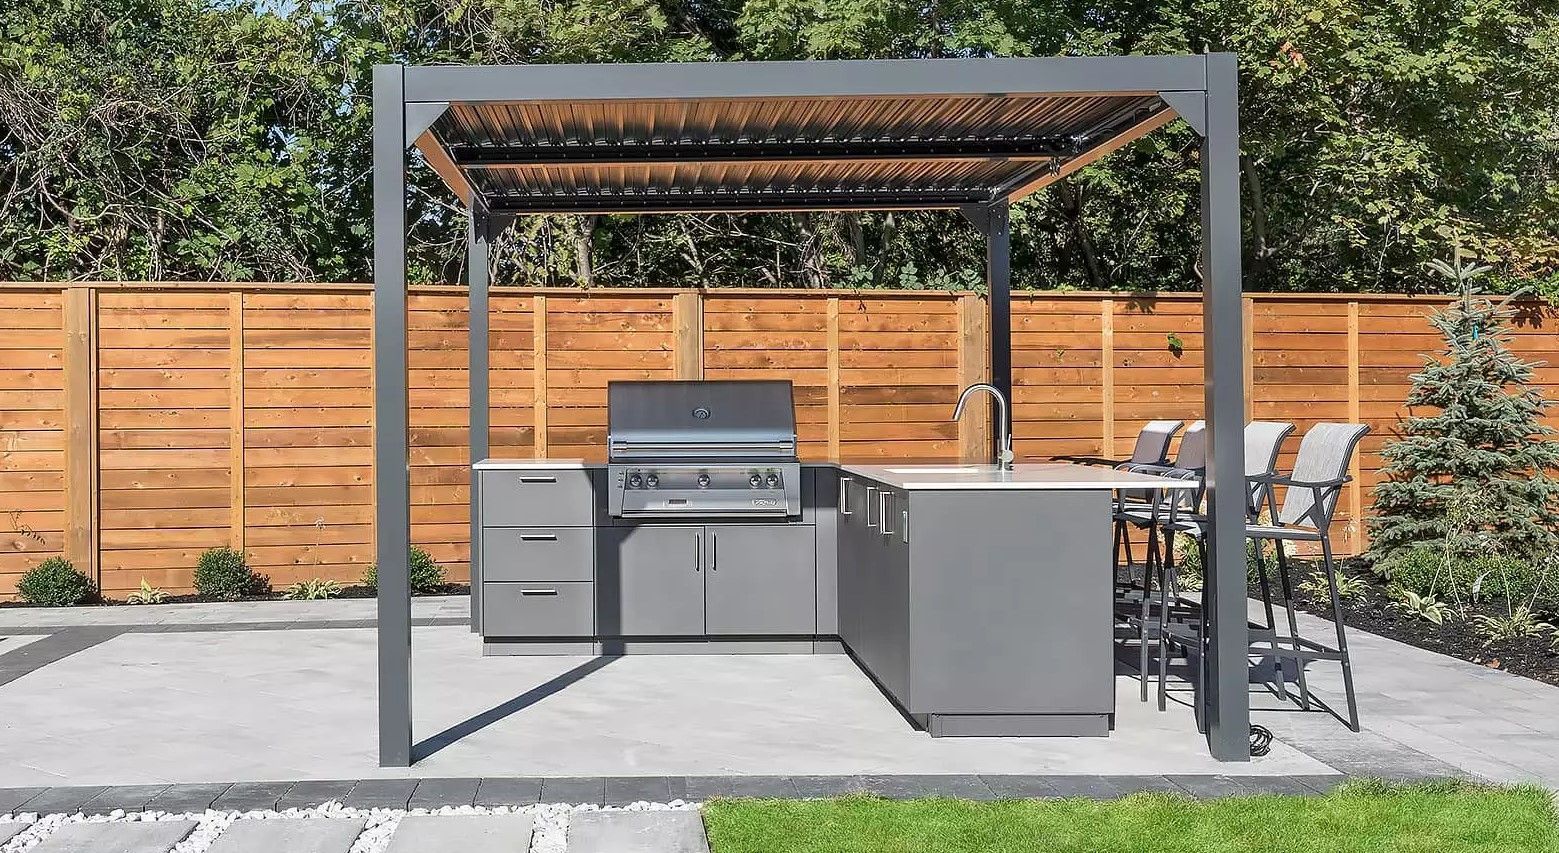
1475, 437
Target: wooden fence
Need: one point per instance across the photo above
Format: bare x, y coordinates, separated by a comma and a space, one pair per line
141, 424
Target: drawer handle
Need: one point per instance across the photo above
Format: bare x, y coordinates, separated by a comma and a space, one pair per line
844, 495
870, 490
538, 592
538, 478
538, 537
883, 497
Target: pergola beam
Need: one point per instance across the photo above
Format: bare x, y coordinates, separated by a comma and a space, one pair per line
590, 155
735, 202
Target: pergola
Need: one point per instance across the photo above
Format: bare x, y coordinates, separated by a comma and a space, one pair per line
971, 135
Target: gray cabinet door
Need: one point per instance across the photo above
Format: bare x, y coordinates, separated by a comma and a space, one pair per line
759, 579
892, 604
650, 581
849, 569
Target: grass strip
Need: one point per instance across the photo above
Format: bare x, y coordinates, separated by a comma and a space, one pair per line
1361, 816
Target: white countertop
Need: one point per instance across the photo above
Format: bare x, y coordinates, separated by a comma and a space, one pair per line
1026, 476
526, 464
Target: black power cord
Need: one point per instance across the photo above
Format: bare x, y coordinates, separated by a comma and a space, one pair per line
1260, 741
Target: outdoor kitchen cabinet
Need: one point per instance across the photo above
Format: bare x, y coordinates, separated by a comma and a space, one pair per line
718, 580
980, 612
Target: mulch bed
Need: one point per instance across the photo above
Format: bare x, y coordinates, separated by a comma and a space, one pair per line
1531, 657
354, 591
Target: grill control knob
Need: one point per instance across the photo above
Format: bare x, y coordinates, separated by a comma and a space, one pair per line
703, 479
755, 481
635, 480
772, 481
651, 480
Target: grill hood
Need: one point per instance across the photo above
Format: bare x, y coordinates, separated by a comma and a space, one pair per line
708, 420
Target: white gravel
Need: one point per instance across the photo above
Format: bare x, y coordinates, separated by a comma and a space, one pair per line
549, 835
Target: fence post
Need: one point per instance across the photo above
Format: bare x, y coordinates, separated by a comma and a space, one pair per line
235, 414
539, 374
974, 365
1358, 537
1107, 377
687, 315
81, 435
833, 377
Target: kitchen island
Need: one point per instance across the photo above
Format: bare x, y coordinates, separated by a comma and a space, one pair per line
978, 599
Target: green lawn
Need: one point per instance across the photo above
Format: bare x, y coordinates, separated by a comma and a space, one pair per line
1359, 816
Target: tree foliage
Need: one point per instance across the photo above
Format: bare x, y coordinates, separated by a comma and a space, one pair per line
229, 139
1473, 466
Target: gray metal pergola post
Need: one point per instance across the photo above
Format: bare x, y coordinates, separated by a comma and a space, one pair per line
1106, 102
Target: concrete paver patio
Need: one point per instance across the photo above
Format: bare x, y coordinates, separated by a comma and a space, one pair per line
276, 701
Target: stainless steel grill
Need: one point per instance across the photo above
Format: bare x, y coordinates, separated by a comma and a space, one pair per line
702, 449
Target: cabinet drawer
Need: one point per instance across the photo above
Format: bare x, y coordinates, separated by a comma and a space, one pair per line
537, 498
538, 609
538, 554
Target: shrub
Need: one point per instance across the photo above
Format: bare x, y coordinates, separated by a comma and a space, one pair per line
1188, 562
147, 594
54, 583
224, 573
426, 574
312, 589
1497, 578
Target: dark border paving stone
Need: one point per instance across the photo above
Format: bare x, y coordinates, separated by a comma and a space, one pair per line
438, 793
251, 796
314, 792
157, 836
623, 790
914, 787
187, 798
10, 798
1209, 787
1321, 784
298, 835
508, 791
636, 832
131, 798
62, 800
706, 787
1019, 787
10, 829
1129, 785
463, 833
574, 790
380, 794
817, 787
1285, 785
1086, 786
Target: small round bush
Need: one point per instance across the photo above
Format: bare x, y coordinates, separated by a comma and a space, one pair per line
54, 583
224, 573
426, 574
1503, 579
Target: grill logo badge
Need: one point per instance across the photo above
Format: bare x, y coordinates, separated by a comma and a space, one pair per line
765, 502
701, 413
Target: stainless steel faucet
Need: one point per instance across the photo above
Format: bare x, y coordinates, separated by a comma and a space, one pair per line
1003, 421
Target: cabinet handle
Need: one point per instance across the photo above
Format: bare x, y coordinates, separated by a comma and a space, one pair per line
870, 490
904, 526
883, 498
538, 537
538, 592
844, 495
698, 551
714, 552
538, 478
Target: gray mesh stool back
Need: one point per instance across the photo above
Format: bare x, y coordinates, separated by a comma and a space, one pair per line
1309, 504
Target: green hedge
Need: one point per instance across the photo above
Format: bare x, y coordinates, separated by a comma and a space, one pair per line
1502, 579
55, 582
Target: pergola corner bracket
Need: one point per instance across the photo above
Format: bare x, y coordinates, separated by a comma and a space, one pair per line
421, 116
1189, 105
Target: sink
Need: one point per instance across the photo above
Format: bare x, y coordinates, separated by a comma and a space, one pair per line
938, 469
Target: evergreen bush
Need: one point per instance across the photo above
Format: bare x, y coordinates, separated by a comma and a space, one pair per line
1509, 581
426, 574
224, 573
1480, 443
55, 582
